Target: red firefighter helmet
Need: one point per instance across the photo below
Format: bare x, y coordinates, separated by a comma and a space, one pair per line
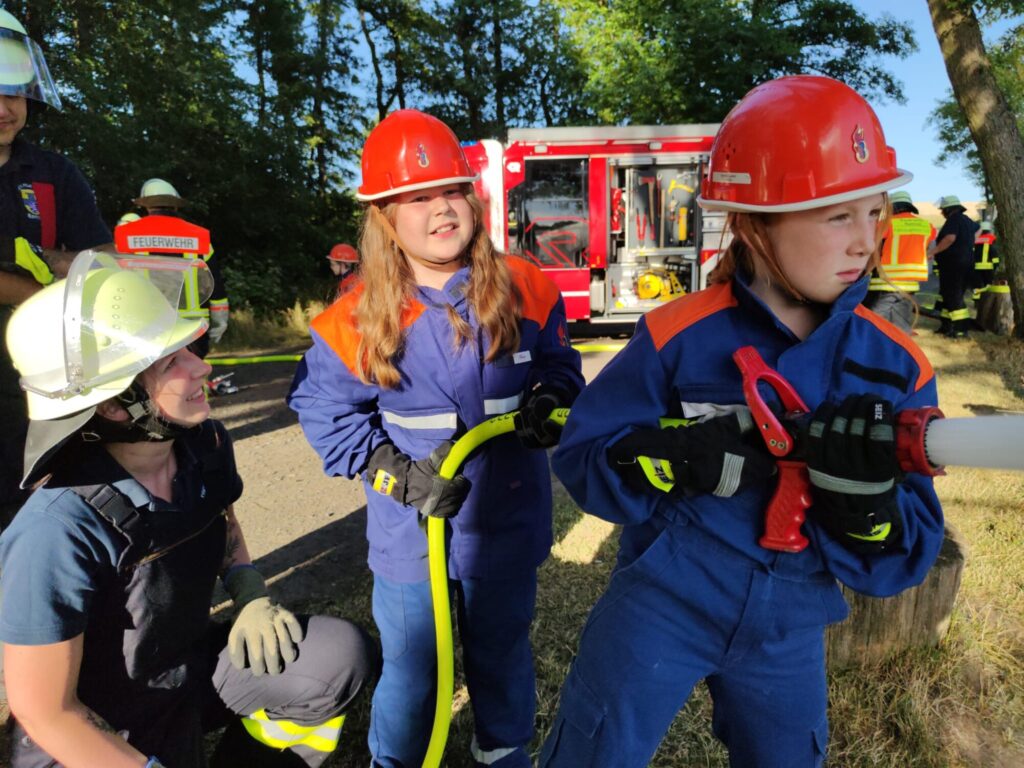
798, 143
345, 253
411, 150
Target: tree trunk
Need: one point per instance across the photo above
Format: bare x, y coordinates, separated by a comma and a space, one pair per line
917, 617
993, 127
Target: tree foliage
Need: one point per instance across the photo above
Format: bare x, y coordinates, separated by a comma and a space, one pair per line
256, 109
692, 60
957, 144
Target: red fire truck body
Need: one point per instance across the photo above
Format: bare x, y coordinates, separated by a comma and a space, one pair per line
609, 213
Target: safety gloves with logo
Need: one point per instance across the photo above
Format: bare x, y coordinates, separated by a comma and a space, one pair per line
720, 456
851, 458
533, 427
416, 483
264, 633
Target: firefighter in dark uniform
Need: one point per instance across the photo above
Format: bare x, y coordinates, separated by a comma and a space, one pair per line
954, 258
110, 656
47, 213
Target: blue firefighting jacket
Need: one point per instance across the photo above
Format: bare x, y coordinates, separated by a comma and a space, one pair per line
679, 363
504, 527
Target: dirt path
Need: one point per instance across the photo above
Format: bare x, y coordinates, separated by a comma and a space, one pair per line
305, 531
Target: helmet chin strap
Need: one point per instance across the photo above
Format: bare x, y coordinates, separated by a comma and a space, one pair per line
144, 425
383, 220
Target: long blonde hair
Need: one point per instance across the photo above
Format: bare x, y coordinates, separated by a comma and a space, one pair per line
751, 245
389, 286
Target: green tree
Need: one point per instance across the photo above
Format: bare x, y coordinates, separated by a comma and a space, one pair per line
692, 60
992, 122
1007, 57
245, 105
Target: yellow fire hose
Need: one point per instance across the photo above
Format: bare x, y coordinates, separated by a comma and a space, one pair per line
438, 560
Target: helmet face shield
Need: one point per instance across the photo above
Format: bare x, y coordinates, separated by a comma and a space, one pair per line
86, 338
23, 70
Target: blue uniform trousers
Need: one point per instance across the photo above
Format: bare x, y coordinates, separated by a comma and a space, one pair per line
494, 618
683, 611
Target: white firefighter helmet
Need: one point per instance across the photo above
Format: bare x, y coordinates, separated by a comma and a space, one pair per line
985, 226
23, 70
158, 193
128, 218
948, 201
82, 340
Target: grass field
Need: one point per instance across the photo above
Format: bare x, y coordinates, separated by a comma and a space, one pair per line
959, 704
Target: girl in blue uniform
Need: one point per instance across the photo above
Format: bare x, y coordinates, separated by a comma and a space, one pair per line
801, 167
439, 333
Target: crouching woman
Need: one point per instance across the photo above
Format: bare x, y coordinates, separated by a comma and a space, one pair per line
108, 569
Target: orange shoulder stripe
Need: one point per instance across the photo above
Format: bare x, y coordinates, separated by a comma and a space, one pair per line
665, 322
903, 340
336, 325
539, 292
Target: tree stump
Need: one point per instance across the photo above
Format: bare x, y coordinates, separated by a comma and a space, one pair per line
995, 312
917, 617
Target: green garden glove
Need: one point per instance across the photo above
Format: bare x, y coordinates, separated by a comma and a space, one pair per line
264, 632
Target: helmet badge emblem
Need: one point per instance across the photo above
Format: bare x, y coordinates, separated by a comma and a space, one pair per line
860, 145
421, 156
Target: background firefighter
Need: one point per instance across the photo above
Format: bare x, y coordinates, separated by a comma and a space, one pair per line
954, 259
160, 198
904, 262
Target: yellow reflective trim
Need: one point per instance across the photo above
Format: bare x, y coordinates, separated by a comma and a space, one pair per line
658, 472
284, 734
878, 533
383, 482
998, 289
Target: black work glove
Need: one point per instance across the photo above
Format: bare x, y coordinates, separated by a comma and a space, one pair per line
719, 456
533, 427
416, 483
851, 459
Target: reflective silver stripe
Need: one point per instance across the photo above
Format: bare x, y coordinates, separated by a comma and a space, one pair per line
502, 405
490, 756
433, 421
847, 486
732, 471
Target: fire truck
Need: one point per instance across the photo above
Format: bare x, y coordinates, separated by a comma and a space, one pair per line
609, 213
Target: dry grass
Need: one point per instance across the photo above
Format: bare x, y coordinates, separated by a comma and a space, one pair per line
958, 705
249, 334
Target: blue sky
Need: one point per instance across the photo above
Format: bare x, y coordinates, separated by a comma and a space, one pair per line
924, 83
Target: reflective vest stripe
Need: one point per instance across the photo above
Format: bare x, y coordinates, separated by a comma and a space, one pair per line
191, 292
498, 406
878, 284
282, 734
433, 421
905, 254
985, 241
